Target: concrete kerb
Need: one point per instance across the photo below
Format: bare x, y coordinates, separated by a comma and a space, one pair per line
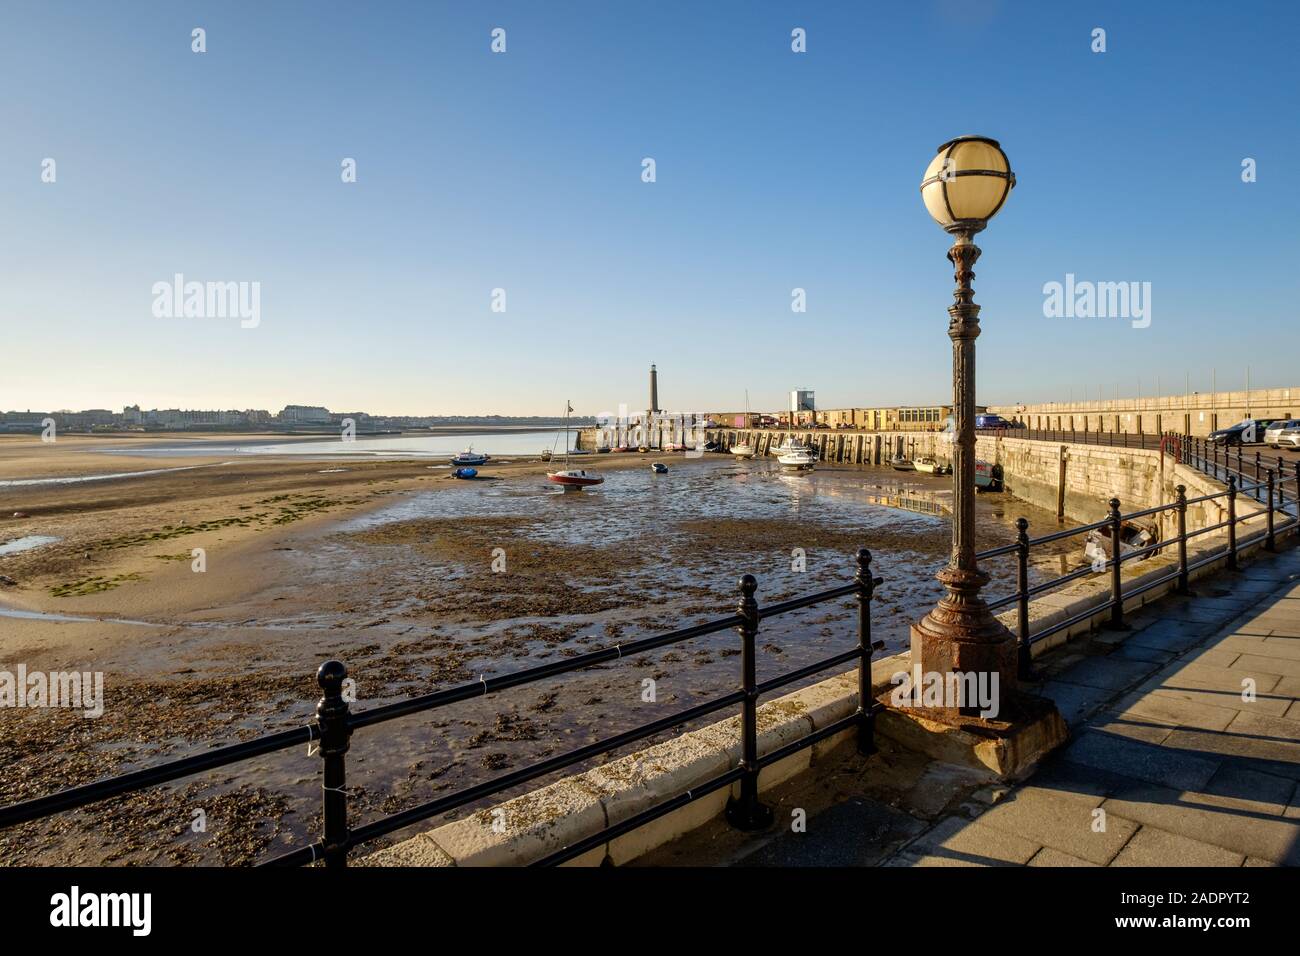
533, 825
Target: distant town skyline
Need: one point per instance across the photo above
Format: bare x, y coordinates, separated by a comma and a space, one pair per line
135, 166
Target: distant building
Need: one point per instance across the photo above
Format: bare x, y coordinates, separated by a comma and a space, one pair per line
305, 415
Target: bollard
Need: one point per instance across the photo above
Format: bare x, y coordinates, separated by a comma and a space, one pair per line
332, 722
747, 813
867, 706
1232, 523
1181, 501
1269, 542
1116, 584
1025, 661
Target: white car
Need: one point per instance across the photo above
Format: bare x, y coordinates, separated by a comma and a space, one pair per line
1274, 434
1289, 438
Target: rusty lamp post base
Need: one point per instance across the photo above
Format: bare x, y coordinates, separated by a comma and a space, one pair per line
961, 634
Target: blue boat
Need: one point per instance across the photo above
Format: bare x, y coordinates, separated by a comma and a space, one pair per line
465, 473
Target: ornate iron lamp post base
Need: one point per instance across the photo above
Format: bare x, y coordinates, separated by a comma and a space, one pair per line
961, 635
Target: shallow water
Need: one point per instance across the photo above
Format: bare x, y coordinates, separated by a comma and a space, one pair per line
379, 446
82, 479
29, 543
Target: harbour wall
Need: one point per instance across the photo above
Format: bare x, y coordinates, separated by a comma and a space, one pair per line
1074, 481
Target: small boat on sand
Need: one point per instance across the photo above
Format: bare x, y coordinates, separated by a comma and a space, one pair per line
659, 468
902, 463
988, 476
465, 473
930, 466
572, 479
470, 457
1132, 537
744, 449
795, 454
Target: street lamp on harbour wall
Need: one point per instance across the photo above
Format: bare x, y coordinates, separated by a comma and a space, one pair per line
965, 186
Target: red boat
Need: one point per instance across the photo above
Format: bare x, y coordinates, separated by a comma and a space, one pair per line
574, 478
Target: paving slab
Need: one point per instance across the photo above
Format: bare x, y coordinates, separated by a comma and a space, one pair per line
1171, 636
1050, 857
1240, 788
1286, 667
1153, 847
1175, 811
1129, 651
856, 832
1068, 824
1076, 702
1178, 712
1141, 761
959, 842
1107, 673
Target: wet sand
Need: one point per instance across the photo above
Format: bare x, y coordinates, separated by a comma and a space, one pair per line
388, 565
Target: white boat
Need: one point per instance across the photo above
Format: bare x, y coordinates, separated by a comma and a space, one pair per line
470, 457
572, 479
1132, 537
931, 466
795, 454
744, 449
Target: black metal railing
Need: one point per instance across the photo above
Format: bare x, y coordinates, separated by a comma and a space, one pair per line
1267, 490
334, 721
1114, 439
334, 724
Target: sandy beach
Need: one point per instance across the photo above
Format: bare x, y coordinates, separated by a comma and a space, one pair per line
387, 565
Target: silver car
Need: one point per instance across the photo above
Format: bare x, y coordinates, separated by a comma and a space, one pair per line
1283, 432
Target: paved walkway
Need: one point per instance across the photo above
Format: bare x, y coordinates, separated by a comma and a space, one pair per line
1172, 761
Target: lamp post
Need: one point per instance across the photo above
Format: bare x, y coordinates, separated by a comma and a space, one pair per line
964, 186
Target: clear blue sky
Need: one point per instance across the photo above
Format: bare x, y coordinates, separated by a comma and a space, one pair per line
523, 171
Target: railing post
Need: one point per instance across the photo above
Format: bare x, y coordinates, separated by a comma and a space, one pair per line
1116, 584
1269, 542
867, 706
1026, 659
1232, 522
747, 813
332, 722
1181, 501
1257, 467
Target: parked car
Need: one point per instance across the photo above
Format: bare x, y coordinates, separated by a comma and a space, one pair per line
1273, 433
990, 421
1289, 437
1246, 432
